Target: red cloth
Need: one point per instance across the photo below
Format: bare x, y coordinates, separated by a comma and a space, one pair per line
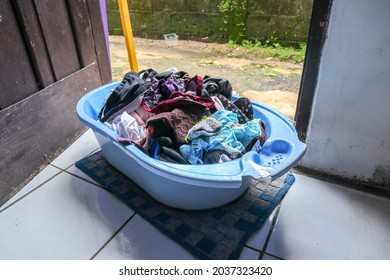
195, 84
178, 100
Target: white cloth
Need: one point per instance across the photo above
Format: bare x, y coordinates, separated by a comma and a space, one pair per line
127, 127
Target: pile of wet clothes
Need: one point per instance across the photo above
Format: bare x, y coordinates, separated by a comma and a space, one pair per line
175, 117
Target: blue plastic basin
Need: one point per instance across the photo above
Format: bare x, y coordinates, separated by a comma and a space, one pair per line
196, 187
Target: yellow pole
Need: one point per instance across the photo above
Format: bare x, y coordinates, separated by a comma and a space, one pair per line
128, 33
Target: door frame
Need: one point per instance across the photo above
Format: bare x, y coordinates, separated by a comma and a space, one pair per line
315, 43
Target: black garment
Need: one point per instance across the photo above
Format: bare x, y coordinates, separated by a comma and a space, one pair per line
151, 75
217, 85
231, 106
261, 138
215, 155
163, 148
147, 75
245, 105
131, 87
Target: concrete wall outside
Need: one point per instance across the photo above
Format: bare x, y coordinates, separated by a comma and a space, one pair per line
349, 131
283, 21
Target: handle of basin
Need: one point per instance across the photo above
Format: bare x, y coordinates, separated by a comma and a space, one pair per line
253, 169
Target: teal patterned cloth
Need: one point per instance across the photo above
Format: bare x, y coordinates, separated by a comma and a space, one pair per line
218, 233
232, 137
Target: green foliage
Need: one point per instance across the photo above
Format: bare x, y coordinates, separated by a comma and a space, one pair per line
275, 50
227, 6
234, 12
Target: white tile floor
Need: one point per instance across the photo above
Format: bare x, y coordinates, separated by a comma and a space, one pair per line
63, 214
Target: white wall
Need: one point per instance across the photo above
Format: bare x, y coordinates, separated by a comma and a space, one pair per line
349, 130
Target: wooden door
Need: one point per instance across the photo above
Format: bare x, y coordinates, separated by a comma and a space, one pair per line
51, 54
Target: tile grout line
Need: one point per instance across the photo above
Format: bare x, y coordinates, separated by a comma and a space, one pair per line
276, 257
64, 169
84, 179
78, 176
271, 229
34, 189
75, 175
253, 249
60, 170
113, 236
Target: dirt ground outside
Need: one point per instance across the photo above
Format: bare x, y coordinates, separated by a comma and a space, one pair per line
266, 80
